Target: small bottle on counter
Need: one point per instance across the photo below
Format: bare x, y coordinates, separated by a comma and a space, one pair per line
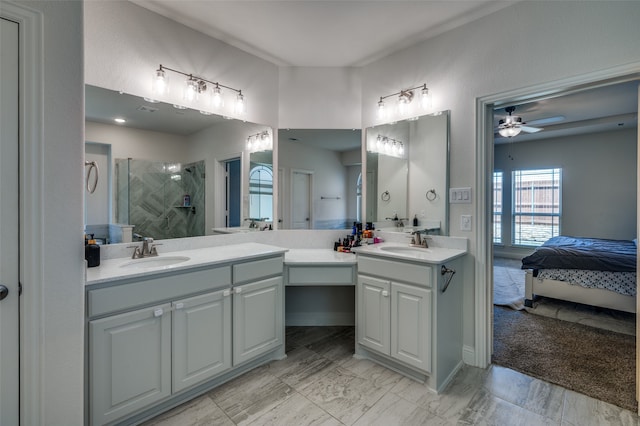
415, 220
92, 252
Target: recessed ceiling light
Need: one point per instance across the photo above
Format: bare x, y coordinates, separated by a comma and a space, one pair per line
120, 120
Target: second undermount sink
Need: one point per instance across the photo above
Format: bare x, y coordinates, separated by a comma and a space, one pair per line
154, 262
405, 250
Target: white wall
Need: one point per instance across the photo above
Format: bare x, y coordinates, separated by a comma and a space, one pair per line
127, 43
319, 98
522, 45
598, 186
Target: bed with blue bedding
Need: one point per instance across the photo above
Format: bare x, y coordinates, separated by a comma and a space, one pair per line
593, 271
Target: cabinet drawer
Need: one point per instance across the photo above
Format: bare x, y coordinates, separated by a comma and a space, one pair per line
395, 270
320, 275
144, 292
257, 269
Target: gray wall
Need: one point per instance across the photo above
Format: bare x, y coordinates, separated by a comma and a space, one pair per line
598, 181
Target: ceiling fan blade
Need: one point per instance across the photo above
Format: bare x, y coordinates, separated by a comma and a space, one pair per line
548, 120
529, 129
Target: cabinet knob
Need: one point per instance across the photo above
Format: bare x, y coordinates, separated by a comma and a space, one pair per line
385, 293
238, 290
158, 312
179, 305
226, 293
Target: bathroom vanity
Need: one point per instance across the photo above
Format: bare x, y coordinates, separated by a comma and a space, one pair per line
409, 310
162, 330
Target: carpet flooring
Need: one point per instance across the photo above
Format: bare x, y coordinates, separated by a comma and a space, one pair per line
598, 363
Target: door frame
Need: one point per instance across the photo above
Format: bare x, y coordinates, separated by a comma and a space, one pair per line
31, 208
219, 191
484, 171
306, 172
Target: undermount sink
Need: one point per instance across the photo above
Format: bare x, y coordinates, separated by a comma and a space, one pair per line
405, 250
154, 262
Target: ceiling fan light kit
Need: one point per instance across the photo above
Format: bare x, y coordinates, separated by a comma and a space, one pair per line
512, 125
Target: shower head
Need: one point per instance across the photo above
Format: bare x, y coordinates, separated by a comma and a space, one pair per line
188, 169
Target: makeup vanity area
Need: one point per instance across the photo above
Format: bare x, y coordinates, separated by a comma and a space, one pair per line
162, 330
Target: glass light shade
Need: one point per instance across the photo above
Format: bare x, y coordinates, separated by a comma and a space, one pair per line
240, 107
381, 109
249, 143
191, 90
216, 97
401, 149
159, 84
509, 132
425, 99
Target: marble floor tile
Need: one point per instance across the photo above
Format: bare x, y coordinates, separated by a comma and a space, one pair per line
343, 394
250, 395
300, 365
487, 409
450, 403
339, 348
581, 410
200, 411
378, 375
527, 392
297, 411
393, 410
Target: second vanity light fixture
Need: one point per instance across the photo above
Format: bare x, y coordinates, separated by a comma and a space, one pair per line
405, 97
259, 142
196, 89
388, 146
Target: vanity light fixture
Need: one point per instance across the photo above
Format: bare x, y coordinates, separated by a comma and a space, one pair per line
405, 97
259, 142
196, 88
388, 146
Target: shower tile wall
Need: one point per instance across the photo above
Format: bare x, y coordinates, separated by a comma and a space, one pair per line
151, 198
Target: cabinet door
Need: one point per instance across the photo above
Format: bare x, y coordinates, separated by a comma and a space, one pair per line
373, 313
411, 325
130, 365
201, 344
257, 319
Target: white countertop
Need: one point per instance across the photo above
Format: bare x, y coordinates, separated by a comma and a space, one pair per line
433, 255
318, 257
111, 269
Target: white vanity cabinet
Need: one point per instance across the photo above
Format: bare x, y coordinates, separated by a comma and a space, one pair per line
152, 341
406, 322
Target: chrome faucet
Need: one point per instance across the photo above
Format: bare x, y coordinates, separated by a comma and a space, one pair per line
148, 249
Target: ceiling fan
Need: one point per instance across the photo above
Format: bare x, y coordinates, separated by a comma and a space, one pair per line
512, 125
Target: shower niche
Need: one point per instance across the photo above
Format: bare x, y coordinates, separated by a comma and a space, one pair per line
161, 200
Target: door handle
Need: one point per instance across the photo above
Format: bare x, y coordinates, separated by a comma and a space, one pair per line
4, 292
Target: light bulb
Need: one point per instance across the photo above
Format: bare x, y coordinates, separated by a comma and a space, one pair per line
425, 98
394, 148
159, 84
240, 105
401, 149
403, 104
378, 145
216, 97
249, 144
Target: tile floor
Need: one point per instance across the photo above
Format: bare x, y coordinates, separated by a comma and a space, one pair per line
320, 383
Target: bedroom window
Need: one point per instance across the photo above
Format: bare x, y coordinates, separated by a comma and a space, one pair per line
536, 206
497, 207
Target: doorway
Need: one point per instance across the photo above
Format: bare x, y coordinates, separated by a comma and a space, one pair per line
301, 185
485, 166
9, 224
233, 185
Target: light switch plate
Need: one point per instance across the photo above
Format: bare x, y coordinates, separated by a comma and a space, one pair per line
465, 222
460, 195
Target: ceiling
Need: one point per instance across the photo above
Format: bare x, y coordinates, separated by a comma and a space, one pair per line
323, 33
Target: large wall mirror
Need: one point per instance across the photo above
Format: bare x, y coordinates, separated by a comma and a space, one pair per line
169, 173
407, 172
320, 178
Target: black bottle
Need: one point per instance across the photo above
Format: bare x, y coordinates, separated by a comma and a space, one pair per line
415, 220
92, 253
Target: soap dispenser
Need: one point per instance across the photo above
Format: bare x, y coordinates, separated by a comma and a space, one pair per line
415, 220
92, 252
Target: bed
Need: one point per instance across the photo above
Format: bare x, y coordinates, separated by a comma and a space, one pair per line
592, 271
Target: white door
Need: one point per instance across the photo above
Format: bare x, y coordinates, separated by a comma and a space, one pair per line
300, 200
9, 231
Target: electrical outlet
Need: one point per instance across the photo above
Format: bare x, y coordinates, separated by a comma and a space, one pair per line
465, 222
